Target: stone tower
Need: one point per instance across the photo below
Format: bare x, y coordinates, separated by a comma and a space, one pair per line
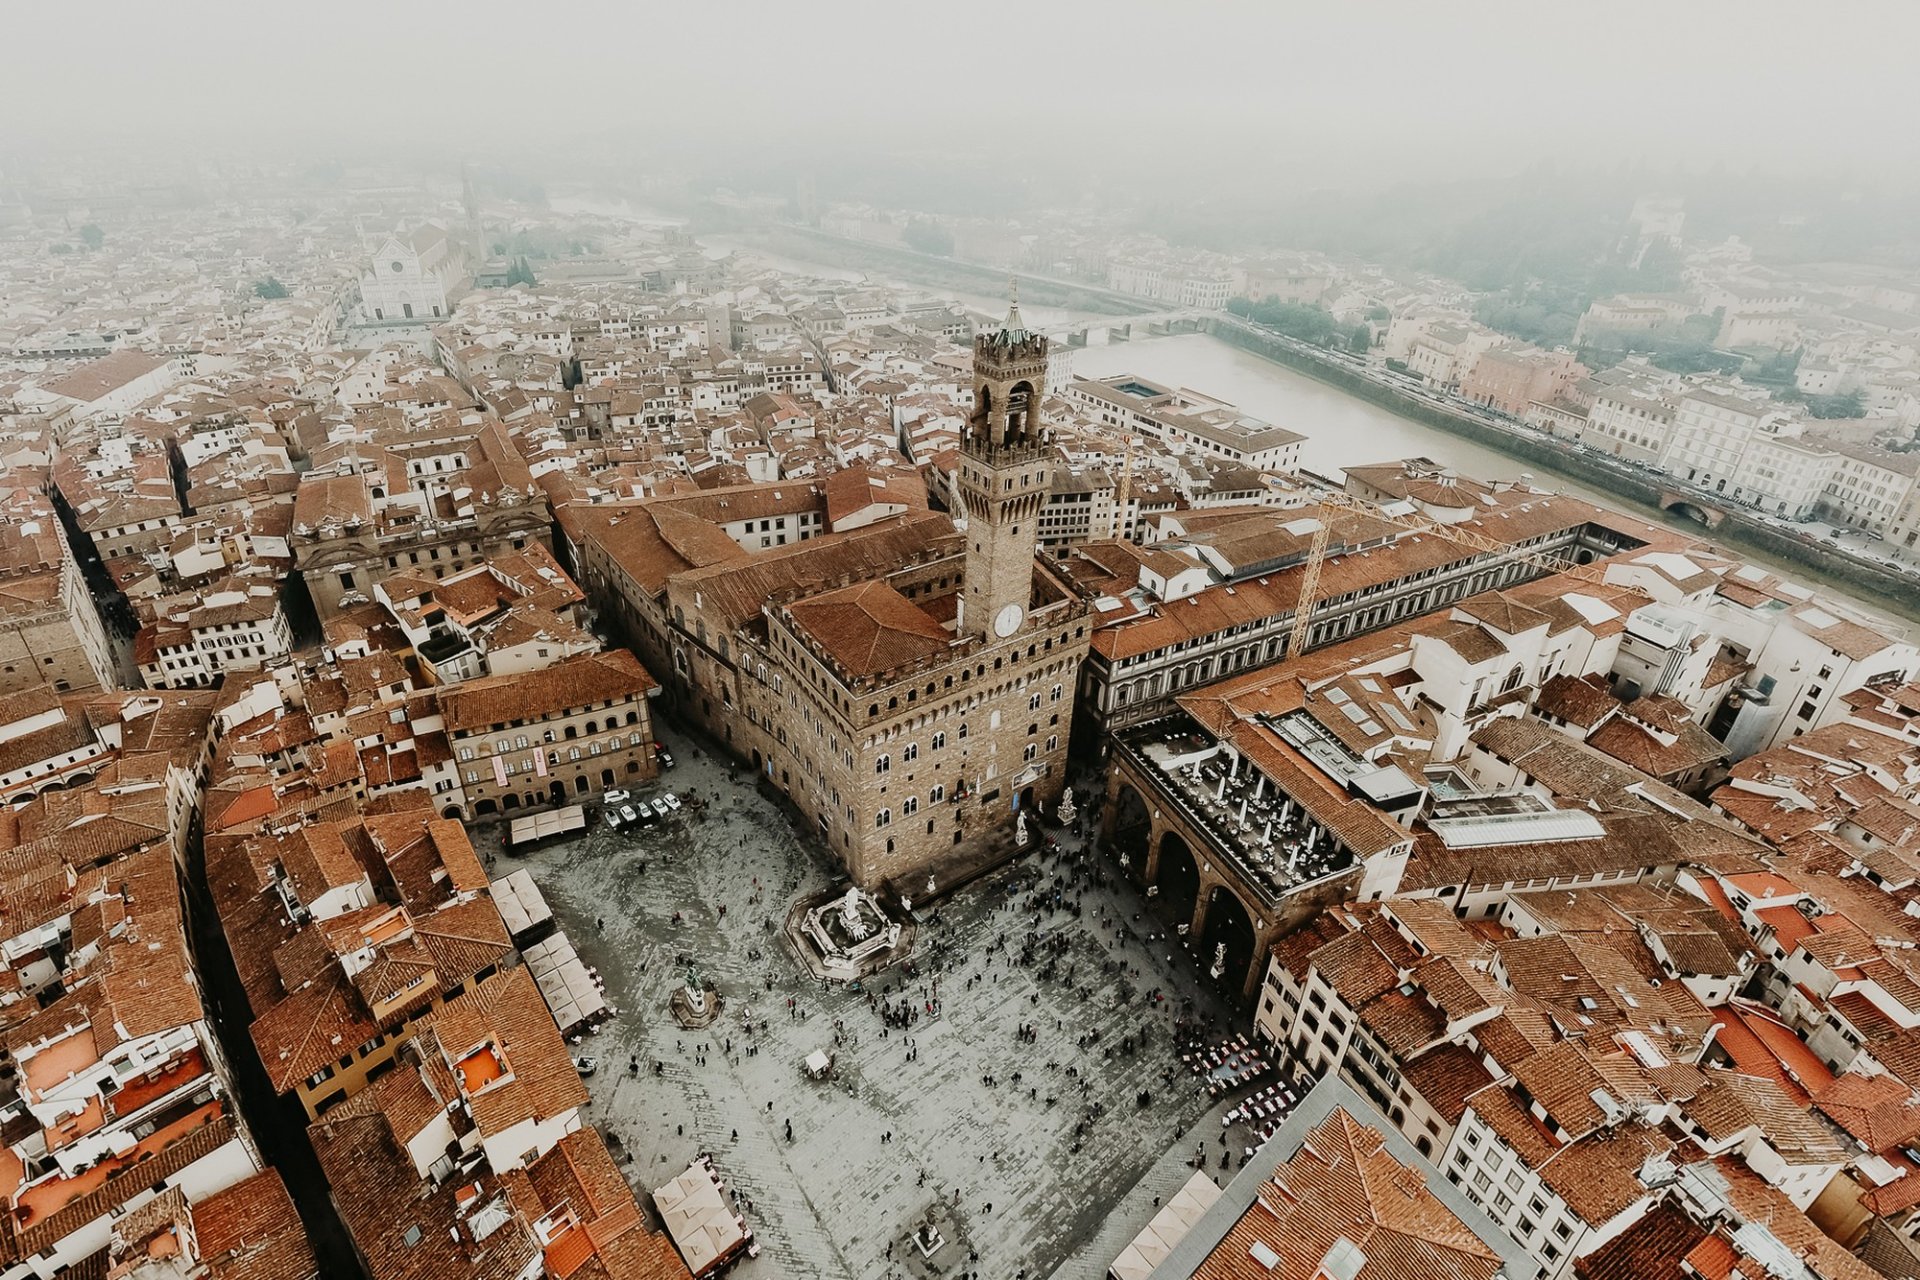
470, 202
1004, 473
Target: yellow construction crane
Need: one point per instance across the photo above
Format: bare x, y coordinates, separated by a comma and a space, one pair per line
1333, 500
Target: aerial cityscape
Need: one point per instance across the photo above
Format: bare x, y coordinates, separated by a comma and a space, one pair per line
827, 642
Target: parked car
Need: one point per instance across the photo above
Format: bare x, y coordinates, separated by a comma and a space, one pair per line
630, 815
586, 1065
664, 756
666, 803
612, 818
614, 799
646, 817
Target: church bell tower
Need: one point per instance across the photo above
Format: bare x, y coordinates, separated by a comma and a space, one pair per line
1005, 469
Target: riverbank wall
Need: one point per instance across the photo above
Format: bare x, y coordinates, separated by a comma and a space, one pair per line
1893, 590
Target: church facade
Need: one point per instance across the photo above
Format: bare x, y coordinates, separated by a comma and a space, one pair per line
412, 277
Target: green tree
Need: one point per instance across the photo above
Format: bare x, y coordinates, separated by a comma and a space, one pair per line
521, 273
1379, 314
91, 236
928, 236
1359, 338
1850, 405
1300, 320
269, 288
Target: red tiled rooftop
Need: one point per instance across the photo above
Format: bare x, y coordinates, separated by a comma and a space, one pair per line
1788, 925
1760, 885
56, 1063
1760, 1046
45, 1199
140, 1091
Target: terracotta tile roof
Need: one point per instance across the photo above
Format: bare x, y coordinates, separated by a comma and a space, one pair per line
1729, 1104
1509, 1118
409, 1230
1446, 1076
1879, 1110
614, 675
507, 1015
1654, 1249
1354, 967
870, 628
1579, 702
251, 1231
732, 595
1754, 1202
1598, 1179
1515, 1035
108, 374
1759, 1044
577, 1187
1629, 843
1692, 748
1343, 1183
1575, 770
135, 1178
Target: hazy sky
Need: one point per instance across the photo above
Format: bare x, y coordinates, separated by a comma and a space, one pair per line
1420, 86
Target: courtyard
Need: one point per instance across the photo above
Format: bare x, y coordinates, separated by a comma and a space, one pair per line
1034, 1144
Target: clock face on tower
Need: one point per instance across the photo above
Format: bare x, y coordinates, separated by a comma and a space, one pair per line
1007, 621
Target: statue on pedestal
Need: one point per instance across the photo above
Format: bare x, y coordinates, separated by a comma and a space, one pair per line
850, 916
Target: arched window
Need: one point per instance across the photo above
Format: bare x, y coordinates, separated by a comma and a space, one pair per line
909, 806
912, 751
882, 764
939, 741
938, 793
882, 818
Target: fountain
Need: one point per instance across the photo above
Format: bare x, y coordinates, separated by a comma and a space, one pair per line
1066, 812
849, 934
694, 1003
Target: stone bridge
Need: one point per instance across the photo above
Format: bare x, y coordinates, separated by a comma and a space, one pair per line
1127, 328
1691, 506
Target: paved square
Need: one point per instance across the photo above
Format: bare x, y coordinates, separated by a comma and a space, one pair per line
829, 1202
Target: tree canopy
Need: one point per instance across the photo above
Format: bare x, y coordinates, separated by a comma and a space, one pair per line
269, 288
928, 236
1300, 320
91, 236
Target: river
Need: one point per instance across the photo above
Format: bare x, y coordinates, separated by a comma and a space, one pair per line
1340, 429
